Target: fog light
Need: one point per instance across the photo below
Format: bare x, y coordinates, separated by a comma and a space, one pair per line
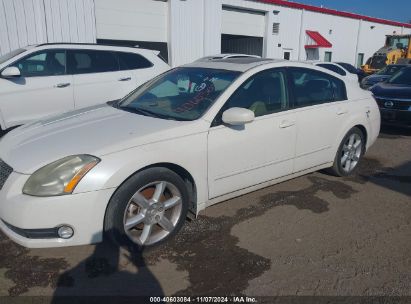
65, 232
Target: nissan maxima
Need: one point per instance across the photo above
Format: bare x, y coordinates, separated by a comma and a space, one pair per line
133, 170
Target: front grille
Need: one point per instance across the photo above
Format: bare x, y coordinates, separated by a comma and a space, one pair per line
5, 171
393, 104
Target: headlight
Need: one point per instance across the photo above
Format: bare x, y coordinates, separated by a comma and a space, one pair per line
60, 177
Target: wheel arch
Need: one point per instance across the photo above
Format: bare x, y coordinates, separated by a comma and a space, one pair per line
354, 123
2, 122
180, 171
364, 131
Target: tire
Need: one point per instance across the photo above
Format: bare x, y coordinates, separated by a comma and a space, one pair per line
349, 154
147, 210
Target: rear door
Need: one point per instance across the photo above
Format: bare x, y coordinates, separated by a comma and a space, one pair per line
320, 103
43, 89
137, 70
97, 77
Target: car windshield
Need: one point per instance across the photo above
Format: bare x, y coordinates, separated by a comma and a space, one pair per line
389, 70
403, 77
10, 55
179, 94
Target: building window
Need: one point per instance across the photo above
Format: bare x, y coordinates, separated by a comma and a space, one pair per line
328, 56
276, 28
287, 55
360, 60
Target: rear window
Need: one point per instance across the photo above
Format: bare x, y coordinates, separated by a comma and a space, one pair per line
333, 68
91, 61
314, 87
350, 68
132, 61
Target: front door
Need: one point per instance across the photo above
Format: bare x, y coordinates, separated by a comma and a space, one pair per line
43, 89
240, 157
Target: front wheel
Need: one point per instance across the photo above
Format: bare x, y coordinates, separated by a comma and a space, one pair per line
349, 153
147, 209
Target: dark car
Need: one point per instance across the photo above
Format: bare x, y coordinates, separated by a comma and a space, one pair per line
353, 70
381, 75
394, 98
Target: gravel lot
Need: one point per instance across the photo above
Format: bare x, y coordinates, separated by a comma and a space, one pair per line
314, 235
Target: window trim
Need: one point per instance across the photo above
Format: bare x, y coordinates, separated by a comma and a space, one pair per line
291, 85
217, 121
35, 53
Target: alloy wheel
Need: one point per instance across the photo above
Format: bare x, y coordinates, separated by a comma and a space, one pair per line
153, 213
351, 152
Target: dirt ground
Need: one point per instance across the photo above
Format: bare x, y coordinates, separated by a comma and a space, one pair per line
314, 235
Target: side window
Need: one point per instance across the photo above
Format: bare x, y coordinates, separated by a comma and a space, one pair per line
263, 93
44, 63
313, 87
89, 61
132, 61
333, 68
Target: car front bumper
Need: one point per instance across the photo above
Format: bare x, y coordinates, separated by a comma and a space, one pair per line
23, 218
396, 117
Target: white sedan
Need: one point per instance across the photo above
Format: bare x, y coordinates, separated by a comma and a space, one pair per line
192, 137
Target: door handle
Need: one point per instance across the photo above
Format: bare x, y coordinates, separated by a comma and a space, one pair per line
125, 79
341, 111
286, 124
62, 85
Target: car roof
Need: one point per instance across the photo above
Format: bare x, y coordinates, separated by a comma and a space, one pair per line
325, 62
228, 55
93, 46
234, 64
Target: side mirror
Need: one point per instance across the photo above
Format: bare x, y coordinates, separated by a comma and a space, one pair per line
11, 72
238, 116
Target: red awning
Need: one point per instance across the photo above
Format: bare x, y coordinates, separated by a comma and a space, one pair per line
316, 40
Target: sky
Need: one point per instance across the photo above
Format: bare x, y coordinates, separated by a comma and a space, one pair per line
397, 10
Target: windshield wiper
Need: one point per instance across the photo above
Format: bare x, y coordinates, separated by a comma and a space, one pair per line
147, 113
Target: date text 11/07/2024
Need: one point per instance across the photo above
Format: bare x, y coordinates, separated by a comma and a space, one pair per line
234, 299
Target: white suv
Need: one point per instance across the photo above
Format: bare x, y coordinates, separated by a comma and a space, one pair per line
46, 79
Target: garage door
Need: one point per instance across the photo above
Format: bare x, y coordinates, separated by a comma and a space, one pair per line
132, 20
243, 22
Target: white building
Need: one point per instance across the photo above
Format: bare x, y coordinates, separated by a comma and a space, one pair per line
184, 30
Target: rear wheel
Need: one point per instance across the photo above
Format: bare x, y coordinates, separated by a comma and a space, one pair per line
349, 153
147, 209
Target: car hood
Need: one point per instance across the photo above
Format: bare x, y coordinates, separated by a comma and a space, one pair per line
385, 89
98, 131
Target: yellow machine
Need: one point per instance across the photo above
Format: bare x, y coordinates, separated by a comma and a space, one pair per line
397, 49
